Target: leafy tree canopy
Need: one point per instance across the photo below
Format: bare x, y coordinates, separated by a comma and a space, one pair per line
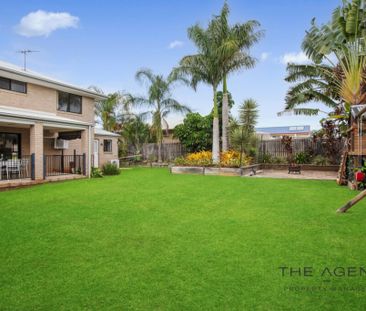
195, 133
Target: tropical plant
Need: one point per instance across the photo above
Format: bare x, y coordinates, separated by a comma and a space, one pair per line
313, 83
234, 42
195, 133
242, 133
159, 101
206, 66
135, 132
106, 110
286, 141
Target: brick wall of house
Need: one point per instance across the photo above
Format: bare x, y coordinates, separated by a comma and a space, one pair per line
46, 100
105, 157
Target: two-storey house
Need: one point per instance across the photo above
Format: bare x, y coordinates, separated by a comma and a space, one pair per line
47, 127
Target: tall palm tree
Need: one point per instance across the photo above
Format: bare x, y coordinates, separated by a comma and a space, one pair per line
206, 66
235, 42
159, 101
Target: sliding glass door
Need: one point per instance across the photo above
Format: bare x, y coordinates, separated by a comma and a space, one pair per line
9, 146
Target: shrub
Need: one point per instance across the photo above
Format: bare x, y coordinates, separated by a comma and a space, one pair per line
302, 158
204, 158
265, 158
278, 160
96, 172
320, 160
110, 169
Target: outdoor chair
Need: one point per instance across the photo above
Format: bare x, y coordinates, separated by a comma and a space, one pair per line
12, 167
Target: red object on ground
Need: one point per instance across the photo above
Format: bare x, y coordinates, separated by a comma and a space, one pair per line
360, 176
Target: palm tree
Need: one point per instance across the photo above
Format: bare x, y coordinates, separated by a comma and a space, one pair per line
106, 110
159, 101
235, 42
243, 130
206, 66
314, 83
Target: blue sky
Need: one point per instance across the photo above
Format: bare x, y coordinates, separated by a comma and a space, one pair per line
104, 43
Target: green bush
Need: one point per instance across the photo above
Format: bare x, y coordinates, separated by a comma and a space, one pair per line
302, 158
278, 160
320, 160
110, 169
96, 172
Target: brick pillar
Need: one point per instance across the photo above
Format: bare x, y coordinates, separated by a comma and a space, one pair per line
36, 147
86, 148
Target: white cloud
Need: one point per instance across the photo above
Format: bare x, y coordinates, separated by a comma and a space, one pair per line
264, 56
42, 23
298, 58
175, 44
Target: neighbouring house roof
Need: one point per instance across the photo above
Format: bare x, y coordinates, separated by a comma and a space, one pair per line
35, 115
101, 132
11, 71
296, 129
355, 109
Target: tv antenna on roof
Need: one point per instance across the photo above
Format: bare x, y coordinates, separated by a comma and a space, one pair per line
25, 53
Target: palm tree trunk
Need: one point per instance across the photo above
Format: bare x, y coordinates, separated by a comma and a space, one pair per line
225, 116
216, 133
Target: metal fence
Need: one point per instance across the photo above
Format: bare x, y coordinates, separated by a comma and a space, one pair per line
55, 165
15, 168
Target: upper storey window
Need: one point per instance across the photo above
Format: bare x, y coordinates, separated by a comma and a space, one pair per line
69, 102
13, 85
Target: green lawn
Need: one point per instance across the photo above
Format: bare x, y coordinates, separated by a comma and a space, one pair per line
149, 240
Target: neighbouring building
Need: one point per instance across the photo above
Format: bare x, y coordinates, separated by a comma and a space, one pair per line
47, 127
168, 137
298, 131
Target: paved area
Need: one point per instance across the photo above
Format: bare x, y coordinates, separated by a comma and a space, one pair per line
317, 175
18, 183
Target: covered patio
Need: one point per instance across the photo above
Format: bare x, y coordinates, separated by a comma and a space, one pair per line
37, 147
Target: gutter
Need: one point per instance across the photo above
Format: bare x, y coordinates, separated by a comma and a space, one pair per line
28, 75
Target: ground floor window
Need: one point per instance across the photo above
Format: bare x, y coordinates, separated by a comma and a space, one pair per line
107, 145
9, 146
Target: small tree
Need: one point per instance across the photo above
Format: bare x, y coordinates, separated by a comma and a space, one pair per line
243, 132
195, 133
287, 143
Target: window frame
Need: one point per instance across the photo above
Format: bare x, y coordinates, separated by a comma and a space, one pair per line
10, 82
104, 145
69, 95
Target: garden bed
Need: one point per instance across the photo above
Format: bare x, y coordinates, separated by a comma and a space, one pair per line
246, 170
223, 171
304, 167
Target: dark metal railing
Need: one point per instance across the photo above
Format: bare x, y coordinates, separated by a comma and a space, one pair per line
55, 165
15, 168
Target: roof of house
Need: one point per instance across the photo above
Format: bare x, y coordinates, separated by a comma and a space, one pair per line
297, 129
356, 109
36, 115
11, 71
101, 132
